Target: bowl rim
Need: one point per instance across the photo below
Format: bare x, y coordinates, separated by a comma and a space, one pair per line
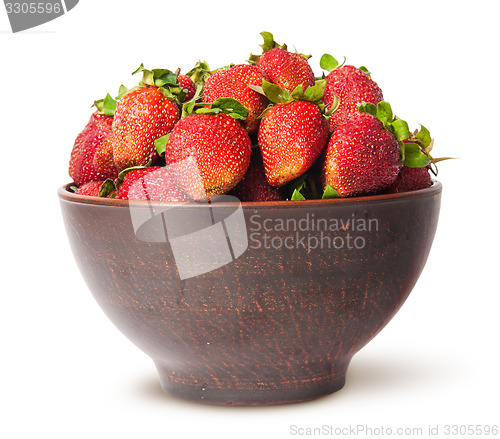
436, 187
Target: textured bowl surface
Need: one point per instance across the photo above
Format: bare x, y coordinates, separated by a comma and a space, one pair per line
308, 284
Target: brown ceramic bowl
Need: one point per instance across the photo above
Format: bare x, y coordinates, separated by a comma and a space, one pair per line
294, 297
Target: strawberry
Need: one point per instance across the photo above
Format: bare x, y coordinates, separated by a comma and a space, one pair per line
411, 179
363, 155
233, 83
154, 184
210, 152
291, 137
347, 86
254, 186
414, 174
103, 159
141, 117
81, 167
285, 69
90, 189
186, 83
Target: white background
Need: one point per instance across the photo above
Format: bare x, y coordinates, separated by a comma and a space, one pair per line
66, 372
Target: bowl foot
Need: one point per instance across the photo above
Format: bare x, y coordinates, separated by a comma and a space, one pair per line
248, 392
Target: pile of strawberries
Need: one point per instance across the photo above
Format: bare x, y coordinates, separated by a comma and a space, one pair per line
265, 130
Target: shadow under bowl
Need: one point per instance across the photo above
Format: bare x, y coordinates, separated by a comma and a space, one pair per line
256, 302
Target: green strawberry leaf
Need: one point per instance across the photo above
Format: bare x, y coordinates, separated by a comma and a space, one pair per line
414, 157
73, 188
200, 72
328, 62
269, 42
367, 107
161, 143
164, 77
139, 69
189, 106
297, 196
122, 91
157, 77
384, 112
400, 129
109, 105
424, 136
232, 107
106, 106
229, 106
330, 193
298, 92
316, 92
275, 93
106, 188
365, 70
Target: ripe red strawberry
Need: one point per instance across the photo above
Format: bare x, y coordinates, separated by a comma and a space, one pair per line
286, 69
362, 157
411, 179
232, 83
141, 117
291, 137
215, 149
81, 167
254, 186
103, 159
154, 184
187, 84
351, 86
90, 189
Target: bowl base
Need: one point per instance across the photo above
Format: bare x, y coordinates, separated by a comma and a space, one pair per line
248, 393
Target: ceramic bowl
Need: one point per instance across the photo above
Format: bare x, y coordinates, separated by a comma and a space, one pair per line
255, 302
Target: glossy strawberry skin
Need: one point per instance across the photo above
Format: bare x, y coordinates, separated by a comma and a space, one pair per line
351, 86
152, 184
186, 83
411, 179
217, 150
362, 157
103, 159
254, 186
232, 83
141, 117
81, 166
90, 189
291, 137
286, 69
